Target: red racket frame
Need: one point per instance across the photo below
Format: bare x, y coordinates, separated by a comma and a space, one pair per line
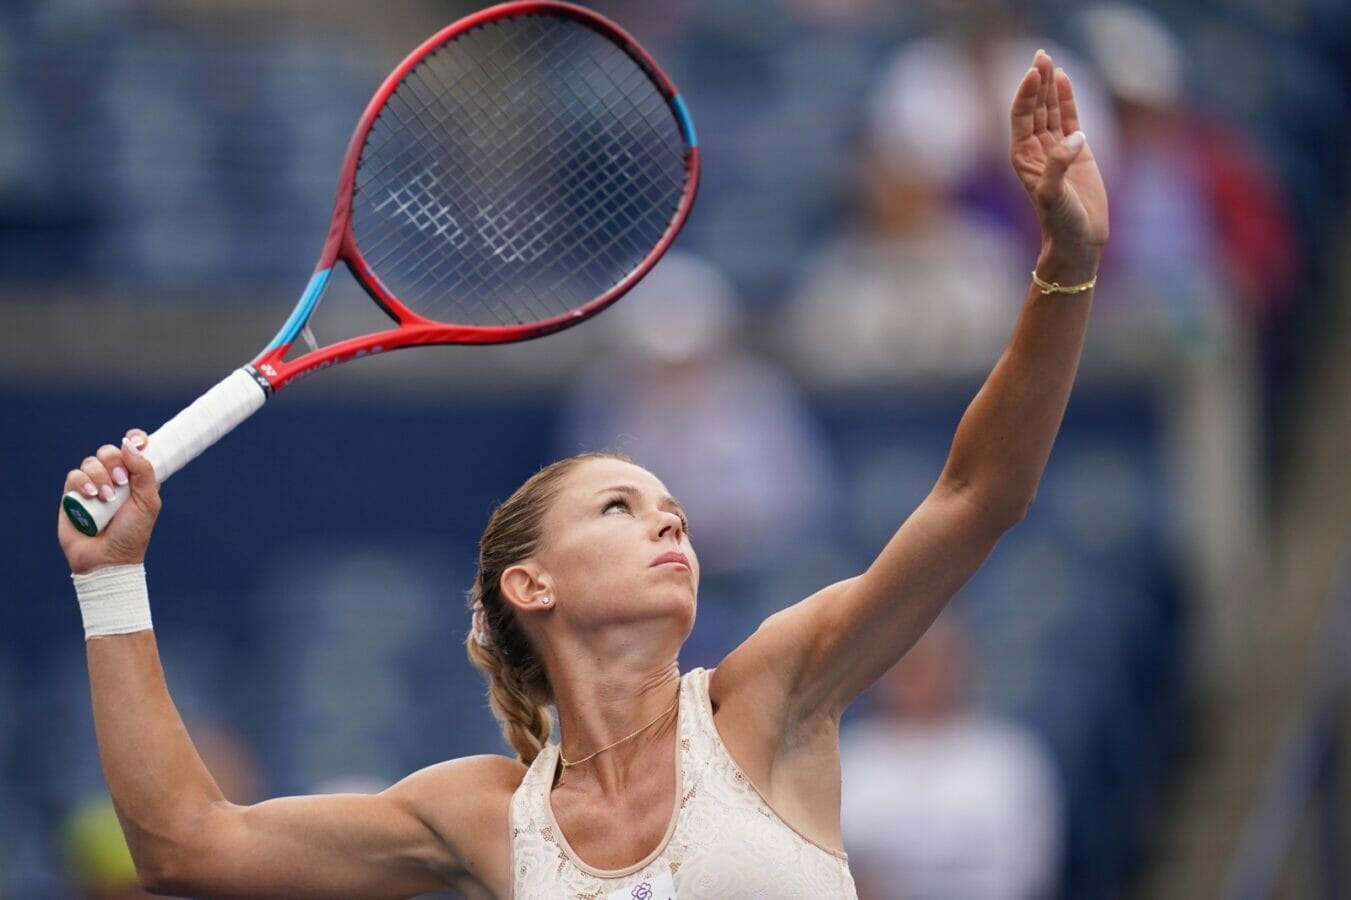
274, 373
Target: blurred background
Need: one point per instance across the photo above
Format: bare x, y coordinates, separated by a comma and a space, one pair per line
1142, 694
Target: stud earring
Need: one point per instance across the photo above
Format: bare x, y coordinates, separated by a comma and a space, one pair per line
544, 601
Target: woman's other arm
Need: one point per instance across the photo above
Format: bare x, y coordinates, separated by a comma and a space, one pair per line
188, 839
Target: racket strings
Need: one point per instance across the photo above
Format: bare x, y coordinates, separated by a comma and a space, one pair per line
519, 174
522, 170
576, 196
434, 108
422, 257
430, 106
652, 205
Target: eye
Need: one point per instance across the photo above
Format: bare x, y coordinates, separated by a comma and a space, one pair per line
616, 502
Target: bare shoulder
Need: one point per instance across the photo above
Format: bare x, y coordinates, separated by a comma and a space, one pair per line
467, 801
453, 795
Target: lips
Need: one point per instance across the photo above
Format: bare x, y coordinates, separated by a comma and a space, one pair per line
671, 557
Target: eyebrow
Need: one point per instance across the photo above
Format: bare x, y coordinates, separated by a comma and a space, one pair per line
631, 491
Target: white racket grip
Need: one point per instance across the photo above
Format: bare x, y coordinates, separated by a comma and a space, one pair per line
177, 442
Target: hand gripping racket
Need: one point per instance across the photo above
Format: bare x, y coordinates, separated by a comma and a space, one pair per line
515, 175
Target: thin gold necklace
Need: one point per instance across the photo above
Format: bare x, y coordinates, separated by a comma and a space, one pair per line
567, 765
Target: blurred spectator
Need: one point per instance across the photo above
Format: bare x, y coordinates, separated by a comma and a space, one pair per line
991, 43
1199, 220
1203, 254
920, 284
941, 800
727, 433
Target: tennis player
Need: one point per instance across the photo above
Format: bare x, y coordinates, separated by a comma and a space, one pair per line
707, 784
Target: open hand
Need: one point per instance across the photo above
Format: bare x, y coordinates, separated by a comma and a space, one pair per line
1054, 162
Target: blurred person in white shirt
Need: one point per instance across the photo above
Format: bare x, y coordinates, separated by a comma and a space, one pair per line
942, 800
759, 477
865, 311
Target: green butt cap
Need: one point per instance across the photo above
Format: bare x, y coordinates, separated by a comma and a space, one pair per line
79, 516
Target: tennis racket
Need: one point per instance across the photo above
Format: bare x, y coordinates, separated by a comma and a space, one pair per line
515, 175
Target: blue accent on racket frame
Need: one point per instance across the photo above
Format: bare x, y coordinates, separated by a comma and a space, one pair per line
686, 123
301, 313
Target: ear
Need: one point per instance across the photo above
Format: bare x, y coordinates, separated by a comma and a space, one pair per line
527, 588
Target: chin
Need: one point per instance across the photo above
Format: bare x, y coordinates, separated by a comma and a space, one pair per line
681, 607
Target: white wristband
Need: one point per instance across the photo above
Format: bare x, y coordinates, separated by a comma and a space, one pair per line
113, 600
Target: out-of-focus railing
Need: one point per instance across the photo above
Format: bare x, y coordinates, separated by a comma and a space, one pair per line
1304, 781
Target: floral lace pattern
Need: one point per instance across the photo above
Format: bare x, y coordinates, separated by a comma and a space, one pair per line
725, 843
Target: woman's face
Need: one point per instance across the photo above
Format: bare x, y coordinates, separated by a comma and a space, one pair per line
616, 547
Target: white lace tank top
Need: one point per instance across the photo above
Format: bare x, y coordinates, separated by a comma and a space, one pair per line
723, 841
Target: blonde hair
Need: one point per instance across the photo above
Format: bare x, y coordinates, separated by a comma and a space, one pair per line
518, 687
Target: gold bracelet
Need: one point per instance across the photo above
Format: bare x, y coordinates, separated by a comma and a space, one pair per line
1055, 287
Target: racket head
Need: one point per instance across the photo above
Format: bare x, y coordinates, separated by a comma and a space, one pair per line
517, 173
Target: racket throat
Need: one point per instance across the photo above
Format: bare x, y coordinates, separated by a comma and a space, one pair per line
261, 379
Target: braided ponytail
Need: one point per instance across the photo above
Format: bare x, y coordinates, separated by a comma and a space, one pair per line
520, 705
518, 687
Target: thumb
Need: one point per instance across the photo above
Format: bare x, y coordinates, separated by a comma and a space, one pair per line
140, 471
1051, 188
128, 533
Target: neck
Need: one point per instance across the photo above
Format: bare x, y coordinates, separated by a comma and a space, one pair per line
601, 708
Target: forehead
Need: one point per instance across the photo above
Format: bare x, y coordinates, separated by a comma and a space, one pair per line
595, 475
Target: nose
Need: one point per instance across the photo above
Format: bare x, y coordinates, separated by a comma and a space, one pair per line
668, 523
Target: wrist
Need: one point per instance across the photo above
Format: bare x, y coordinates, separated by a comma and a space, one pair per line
113, 600
1072, 264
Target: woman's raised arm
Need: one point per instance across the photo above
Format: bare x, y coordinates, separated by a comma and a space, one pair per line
821, 653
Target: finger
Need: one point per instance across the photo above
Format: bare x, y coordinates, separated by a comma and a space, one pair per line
99, 475
144, 485
1051, 189
1069, 110
111, 457
80, 483
138, 436
1024, 105
1052, 101
1039, 113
